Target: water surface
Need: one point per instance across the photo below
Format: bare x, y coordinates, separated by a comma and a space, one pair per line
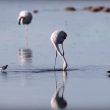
31, 83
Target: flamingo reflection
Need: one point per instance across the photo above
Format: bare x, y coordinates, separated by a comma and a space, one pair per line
25, 56
58, 101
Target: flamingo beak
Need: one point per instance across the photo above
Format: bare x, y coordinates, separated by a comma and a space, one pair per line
19, 21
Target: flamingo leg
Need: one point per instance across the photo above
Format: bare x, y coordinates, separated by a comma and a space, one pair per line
63, 49
26, 37
55, 60
54, 70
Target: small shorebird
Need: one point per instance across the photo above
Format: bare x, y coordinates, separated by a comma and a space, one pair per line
2, 68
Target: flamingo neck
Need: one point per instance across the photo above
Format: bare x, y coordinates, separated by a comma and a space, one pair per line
62, 56
21, 21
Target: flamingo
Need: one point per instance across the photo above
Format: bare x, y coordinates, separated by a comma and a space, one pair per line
57, 38
24, 17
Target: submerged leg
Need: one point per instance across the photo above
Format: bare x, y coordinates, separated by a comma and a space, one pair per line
54, 70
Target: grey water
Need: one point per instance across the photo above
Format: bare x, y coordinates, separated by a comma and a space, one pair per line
31, 82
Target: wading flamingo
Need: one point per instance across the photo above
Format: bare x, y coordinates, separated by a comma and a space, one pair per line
57, 38
24, 17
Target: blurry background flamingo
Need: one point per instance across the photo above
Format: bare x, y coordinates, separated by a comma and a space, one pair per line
25, 18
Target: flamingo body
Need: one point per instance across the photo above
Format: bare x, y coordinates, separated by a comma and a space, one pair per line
24, 17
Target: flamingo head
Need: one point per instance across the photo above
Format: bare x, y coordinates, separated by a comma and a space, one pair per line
65, 65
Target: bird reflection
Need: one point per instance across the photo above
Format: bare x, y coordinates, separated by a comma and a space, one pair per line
25, 55
58, 101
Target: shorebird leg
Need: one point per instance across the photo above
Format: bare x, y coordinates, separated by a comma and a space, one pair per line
2, 70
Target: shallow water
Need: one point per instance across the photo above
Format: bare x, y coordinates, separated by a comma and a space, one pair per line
31, 82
